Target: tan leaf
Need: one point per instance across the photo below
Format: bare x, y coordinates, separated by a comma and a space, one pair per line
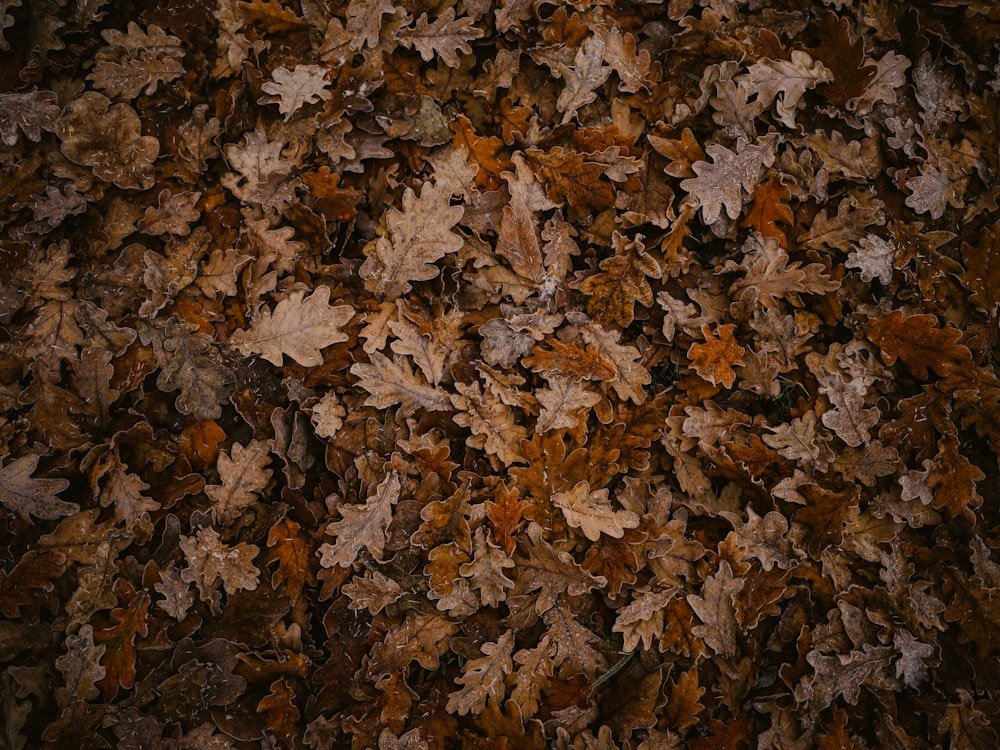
372, 591
485, 572
565, 403
300, 327
446, 37
786, 81
716, 609
211, 562
494, 428
533, 675
392, 381
484, 677
361, 526
592, 513
582, 79
173, 214
305, 84
414, 240
729, 177
244, 476
642, 619
798, 440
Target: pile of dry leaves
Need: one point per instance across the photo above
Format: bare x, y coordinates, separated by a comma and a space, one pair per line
518, 373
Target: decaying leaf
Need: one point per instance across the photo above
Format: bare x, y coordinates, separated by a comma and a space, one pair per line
519, 374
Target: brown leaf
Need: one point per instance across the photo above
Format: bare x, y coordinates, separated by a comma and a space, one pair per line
119, 640
107, 138
483, 678
570, 177
716, 609
28, 496
918, 341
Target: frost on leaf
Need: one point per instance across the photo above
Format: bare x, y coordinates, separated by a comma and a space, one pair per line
28, 496
414, 240
361, 526
300, 327
445, 37
305, 84
30, 113
591, 512
729, 177
211, 563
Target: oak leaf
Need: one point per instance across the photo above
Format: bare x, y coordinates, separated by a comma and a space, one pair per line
423, 638
582, 78
484, 678
642, 619
393, 381
952, 480
486, 571
30, 113
119, 658
305, 84
716, 609
845, 675
282, 713
571, 177
591, 512
918, 341
565, 404
211, 562
28, 496
786, 82
361, 526
714, 359
446, 37
107, 138
190, 364
244, 476
372, 591
299, 327
550, 571
728, 177
413, 241
621, 283
493, 425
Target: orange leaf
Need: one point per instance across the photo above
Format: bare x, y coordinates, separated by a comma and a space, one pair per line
119, 658
200, 443
714, 359
769, 209
506, 514
291, 549
336, 203
282, 715
569, 177
482, 151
